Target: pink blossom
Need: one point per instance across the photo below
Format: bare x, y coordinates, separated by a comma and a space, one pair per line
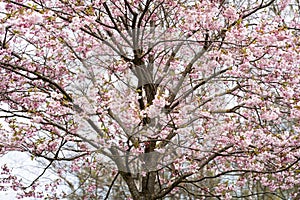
36, 18
159, 102
231, 13
270, 115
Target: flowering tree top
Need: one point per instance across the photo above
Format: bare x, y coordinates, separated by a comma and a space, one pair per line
172, 99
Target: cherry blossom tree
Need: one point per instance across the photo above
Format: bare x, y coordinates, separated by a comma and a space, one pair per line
152, 99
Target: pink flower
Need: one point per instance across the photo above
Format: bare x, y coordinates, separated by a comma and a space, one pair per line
75, 23
281, 37
36, 18
153, 111
231, 13
269, 116
159, 102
